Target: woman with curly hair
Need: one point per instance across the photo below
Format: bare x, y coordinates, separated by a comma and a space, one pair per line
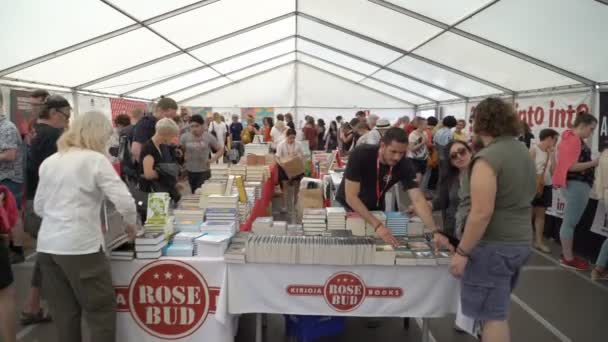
497, 193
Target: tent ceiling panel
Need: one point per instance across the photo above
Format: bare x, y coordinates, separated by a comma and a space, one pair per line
320, 88
246, 41
256, 56
144, 76
97, 60
201, 88
385, 88
273, 88
442, 77
32, 28
220, 18
346, 42
490, 64
377, 22
335, 57
353, 76
177, 83
412, 85
239, 75
541, 31
146, 9
448, 12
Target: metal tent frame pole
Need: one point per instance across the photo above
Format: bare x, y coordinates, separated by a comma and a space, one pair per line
486, 42
399, 50
105, 36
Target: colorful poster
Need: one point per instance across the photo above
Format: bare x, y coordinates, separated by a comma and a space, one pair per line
549, 111
202, 111
22, 112
123, 106
603, 125
259, 113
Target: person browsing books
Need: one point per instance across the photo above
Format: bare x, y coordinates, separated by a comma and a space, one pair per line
371, 171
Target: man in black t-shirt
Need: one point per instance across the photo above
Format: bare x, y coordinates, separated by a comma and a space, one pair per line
145, 128
371, 172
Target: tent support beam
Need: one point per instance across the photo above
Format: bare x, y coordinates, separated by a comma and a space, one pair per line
485, 42
357, 84
192, 48
103, 37
296, 69
66, 89
481, 9
146, 26
230, 73
205, 66
370, 77
237, 81
399, 50
387, 69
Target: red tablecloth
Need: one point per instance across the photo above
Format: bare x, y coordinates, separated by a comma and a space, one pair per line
260, 207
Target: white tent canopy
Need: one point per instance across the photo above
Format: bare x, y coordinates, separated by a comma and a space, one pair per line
305, 53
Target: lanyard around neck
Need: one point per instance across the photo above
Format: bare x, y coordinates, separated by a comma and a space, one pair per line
388, 179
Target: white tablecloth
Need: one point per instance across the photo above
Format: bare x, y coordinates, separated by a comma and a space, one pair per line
170, 299
367, 291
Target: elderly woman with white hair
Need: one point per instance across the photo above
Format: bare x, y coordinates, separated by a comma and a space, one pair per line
73, 184
158, 161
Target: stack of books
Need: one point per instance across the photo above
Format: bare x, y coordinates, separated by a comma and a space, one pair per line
211, 187
310, 250
444, 257
238, 170
150, 245
189, 202
166, 228
415, 227
183, 245
404, 256
212, 245
219, 171
336, 218
369, 229
355, 223
222, 208
295, 230
218, 227
384, 254
235, 253
188, 220
257, 149
256, 173
313, 221
263, 226
397, 223
124, 251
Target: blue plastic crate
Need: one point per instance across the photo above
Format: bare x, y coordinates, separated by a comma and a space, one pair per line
311, 328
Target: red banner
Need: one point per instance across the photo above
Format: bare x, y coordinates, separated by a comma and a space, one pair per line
123, 106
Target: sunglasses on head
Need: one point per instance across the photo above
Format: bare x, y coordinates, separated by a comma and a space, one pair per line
461, 152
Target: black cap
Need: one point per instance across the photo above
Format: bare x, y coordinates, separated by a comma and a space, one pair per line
56, 101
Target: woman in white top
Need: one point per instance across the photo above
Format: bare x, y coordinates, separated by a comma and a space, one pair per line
73, 184
278, 134
544, 158
288, 148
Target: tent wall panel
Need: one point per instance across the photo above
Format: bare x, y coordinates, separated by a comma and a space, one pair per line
319, 89
272, 89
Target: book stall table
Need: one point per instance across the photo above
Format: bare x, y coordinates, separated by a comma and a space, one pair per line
171, 299
365, 291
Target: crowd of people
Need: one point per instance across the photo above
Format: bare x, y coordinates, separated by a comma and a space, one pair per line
492, 184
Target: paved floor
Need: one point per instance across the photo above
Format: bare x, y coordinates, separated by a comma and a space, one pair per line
549, 304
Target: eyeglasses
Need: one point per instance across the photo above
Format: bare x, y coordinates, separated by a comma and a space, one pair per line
461, 152
67, 116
